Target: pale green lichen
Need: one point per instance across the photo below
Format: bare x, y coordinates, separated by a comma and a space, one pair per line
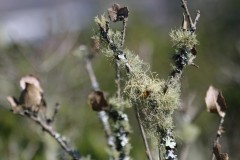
101, 21
183, 39
145, 90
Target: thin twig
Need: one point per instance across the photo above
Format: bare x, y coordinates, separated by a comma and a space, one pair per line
56, 108
118, 79
48, 129
123, 31
196, 19
144, 137
219, 134
184, 5
94, 83
103, 116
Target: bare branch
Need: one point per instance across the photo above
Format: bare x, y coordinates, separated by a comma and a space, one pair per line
103, 116
48, 129
196, 19
184, 5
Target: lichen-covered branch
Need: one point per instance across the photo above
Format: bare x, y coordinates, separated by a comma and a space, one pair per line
155, 98
184, 41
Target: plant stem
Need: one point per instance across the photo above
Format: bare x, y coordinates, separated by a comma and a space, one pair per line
219, 134
148, 153
48, 129
103, 116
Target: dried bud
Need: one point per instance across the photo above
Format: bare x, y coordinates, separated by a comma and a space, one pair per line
97, 101
215, 102
32, 94
115, 13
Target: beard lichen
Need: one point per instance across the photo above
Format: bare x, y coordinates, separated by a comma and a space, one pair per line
143, 88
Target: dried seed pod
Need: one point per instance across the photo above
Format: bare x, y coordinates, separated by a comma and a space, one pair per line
32, 94
97, 101
115, 13
215, 102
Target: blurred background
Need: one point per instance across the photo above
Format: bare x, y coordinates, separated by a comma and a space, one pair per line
39, 37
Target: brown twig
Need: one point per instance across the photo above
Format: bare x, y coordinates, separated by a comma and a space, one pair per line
219, 134
56, 108
123, 31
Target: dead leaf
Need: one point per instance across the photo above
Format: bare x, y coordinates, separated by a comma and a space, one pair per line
215, 102
97, 101
115, 13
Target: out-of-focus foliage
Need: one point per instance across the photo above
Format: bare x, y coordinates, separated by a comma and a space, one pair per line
64, 80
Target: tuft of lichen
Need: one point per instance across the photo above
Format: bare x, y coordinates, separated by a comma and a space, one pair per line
101, 21
146, 91
183, 39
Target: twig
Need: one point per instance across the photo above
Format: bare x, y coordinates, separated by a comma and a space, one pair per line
123, 31
193, 25
219, 134
196, 19
118, 79
91, 75
51, 120
103, 116
117, 64
148, 153
47, 128
119, 54
184, 5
